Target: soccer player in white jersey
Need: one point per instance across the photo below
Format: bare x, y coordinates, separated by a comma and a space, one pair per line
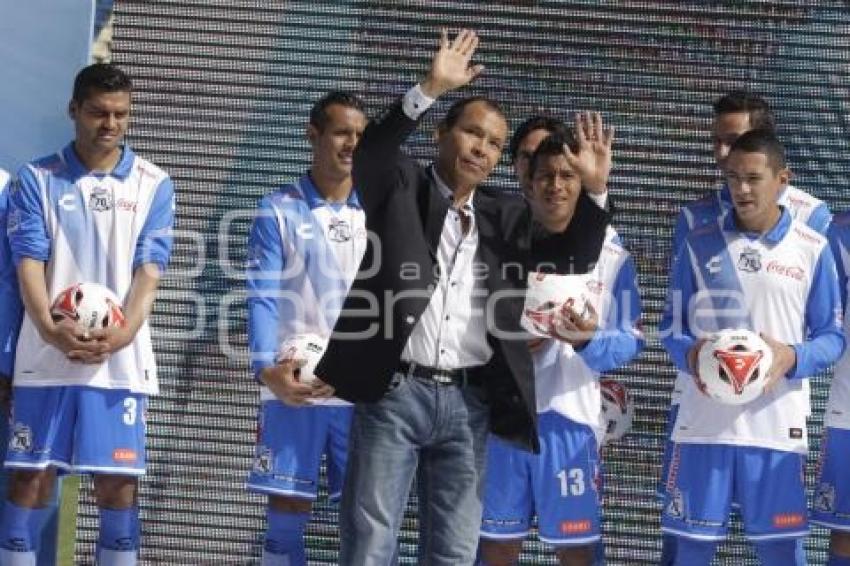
10, 324
305, 247
735, 114
92, 212
561, 483
755, 268
831, 506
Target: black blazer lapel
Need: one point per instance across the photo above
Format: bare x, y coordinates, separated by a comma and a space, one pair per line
435, 207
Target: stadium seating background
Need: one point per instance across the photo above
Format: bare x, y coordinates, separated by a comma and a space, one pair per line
222, 93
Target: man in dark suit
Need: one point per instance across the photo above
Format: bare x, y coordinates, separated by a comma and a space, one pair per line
429, 343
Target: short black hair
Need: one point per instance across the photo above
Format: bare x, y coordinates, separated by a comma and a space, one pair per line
761, 115
762, 141
103, 77
455, 111
552, 145
319, 114
540, 122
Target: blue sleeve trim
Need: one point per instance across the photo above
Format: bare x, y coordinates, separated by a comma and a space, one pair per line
25, 224
676, 336
619, 340
157, 237
265, 265
824, 342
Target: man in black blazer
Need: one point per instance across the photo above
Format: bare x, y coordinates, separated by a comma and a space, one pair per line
429, 343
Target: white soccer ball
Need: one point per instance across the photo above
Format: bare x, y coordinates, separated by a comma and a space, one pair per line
618, 409
90, 305
547, 295
733, 366
308, 347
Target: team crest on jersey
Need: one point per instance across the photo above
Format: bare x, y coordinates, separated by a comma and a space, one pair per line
825, 498
749, 260
676, 506
21, 438
339, 231
101, 200
263, 460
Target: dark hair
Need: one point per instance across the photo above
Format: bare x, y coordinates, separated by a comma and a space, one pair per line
761, 116
540, 122
103, 77
762, 141
319, 112
552, 145
456, 110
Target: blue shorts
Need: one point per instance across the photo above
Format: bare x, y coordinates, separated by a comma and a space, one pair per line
560, 484
668, 448
705, 479
77, 429
831, 505
290, 444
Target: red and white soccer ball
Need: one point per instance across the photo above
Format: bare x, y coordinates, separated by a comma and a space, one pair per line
308, 347
90, 305
618, 409
733, 366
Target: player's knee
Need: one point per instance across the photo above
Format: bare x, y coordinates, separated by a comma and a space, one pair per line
115, 492
31, 488
290, 504
501, 553
839, 543
575, 555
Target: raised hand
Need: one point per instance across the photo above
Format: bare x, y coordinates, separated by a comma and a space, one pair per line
593, 159
450, 68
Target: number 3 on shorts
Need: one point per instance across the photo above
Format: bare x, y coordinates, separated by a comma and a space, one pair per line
130, 405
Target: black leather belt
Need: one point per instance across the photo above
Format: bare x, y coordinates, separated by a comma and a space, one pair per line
462, 377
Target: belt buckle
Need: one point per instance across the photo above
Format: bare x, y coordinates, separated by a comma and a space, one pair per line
442, 378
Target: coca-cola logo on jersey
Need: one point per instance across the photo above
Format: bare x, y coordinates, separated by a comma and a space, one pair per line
125, 204
791, 271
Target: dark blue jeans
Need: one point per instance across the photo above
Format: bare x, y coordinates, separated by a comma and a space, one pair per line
437, 433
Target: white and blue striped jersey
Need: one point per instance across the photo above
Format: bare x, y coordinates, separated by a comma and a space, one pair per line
303, 255
10, 298
838, 407
90, 227
783, 284
566, 380
801, 205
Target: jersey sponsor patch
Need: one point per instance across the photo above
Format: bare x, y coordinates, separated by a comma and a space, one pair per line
124, 455
576, 527
788, 520
795, 433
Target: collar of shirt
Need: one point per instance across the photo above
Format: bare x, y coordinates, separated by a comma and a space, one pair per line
315, 199
120, 171
772, 236
449, 194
